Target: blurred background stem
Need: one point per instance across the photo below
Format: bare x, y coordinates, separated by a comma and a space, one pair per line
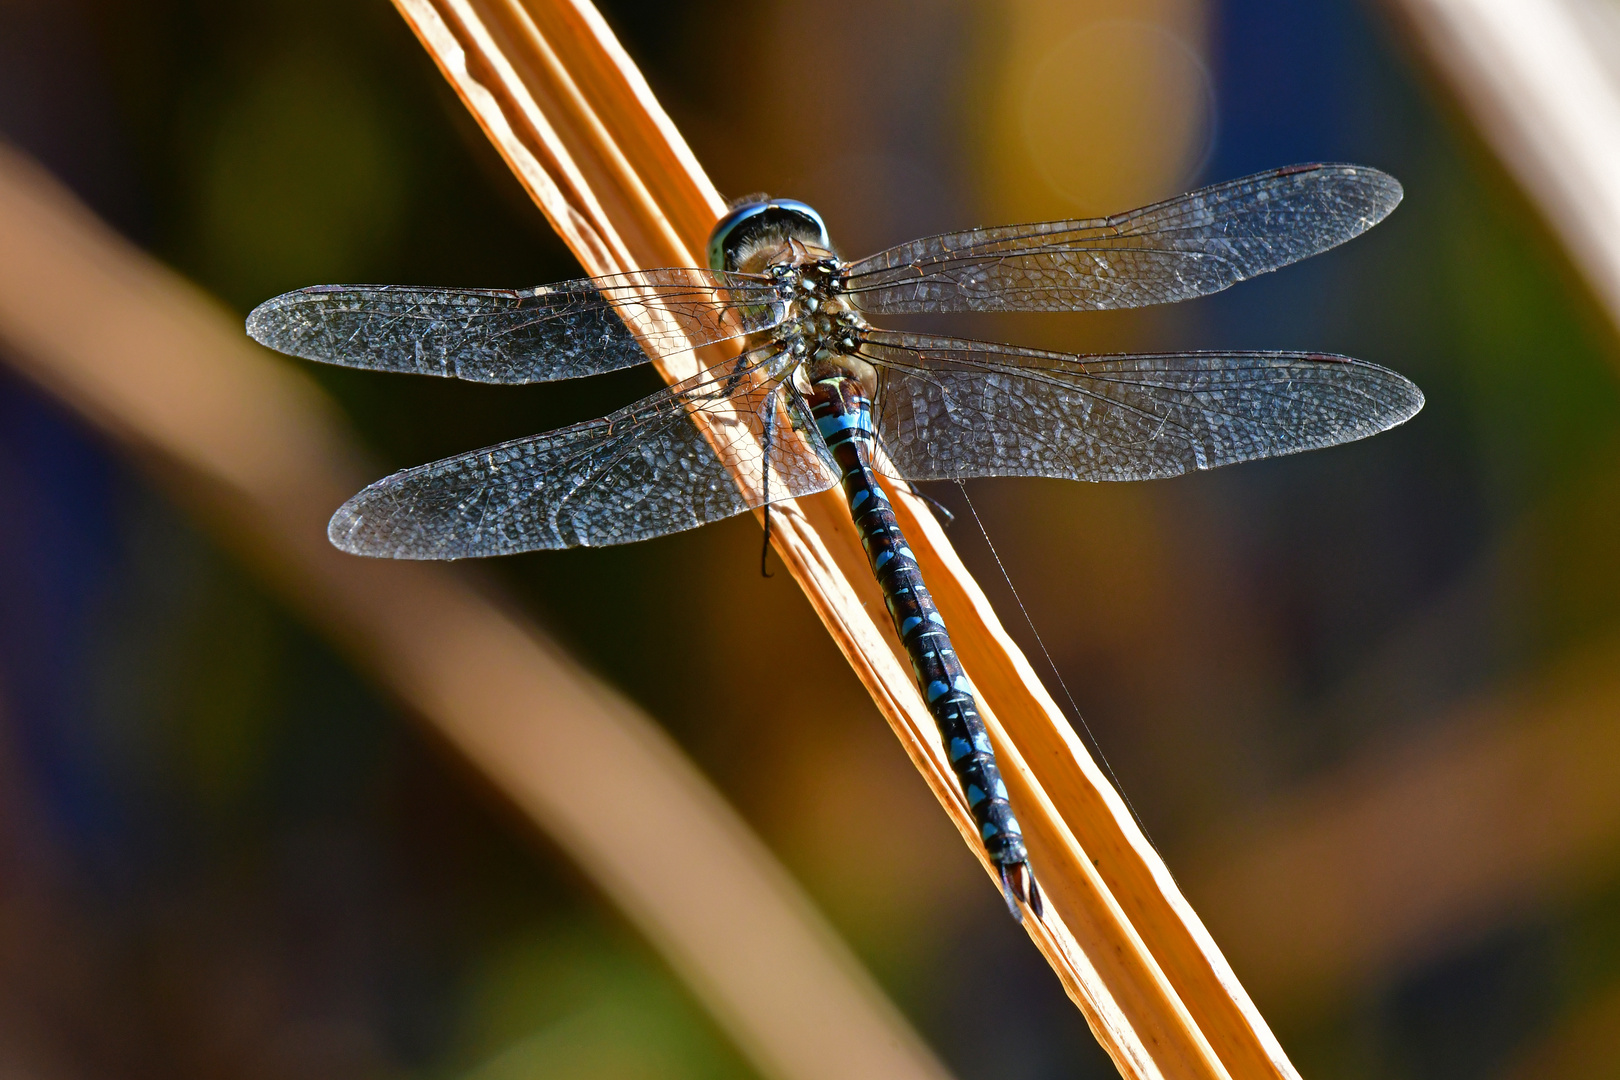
260, 454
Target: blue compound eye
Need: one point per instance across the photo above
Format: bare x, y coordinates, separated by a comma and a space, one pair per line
751, 219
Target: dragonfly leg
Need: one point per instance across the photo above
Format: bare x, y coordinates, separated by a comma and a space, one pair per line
765, 551
767, 437
940, 510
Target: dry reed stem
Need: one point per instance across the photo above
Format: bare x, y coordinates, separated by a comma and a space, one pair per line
261, 454
576, 122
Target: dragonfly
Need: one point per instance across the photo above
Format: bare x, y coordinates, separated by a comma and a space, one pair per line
811, 395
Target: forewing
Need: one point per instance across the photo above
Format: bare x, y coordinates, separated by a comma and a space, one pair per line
515, 336
950, 408
641, 472
1188, 246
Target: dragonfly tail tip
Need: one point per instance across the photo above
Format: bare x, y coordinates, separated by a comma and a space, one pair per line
1036, 904
1018, 884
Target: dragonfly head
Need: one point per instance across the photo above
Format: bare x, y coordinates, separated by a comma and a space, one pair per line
758, 223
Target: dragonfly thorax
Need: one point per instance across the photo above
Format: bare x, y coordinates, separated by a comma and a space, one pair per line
822, 333
786, 241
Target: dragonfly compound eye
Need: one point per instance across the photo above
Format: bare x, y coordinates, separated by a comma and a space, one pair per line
757, 223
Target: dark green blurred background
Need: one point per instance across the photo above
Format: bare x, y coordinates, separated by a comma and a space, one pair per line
223, 854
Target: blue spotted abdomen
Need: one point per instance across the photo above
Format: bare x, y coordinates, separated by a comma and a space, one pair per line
844, 417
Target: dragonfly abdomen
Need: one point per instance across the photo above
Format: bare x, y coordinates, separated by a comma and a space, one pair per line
844, 418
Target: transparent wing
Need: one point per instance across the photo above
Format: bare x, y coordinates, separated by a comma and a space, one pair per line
1187, 246
515, 336
950, 408
641, 472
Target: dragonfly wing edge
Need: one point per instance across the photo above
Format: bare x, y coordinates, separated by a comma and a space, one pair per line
1192, 245
951, 408
644, 471
562, 331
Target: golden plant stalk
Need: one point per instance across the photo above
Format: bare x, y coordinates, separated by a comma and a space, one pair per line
578, 125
